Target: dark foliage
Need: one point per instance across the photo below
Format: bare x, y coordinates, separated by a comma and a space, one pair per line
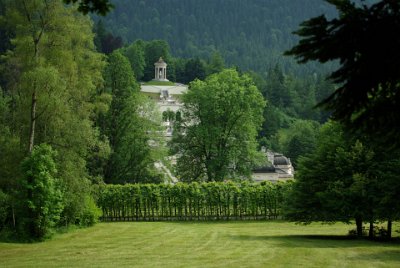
111, 43
101, 7
344, 179
105, 41
251, 34
364, 40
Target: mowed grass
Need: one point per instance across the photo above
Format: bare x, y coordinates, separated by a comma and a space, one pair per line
220, 244
159, 83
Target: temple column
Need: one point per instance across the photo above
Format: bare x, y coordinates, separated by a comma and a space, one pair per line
160, 70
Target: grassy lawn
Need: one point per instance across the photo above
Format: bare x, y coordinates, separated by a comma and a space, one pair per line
221, 244
159, 83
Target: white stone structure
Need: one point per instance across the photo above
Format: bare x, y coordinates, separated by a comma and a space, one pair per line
160, 70
166, 96
279, 169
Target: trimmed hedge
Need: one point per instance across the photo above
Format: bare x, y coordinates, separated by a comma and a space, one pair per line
191, 202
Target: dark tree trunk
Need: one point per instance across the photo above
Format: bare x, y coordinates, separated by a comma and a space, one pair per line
359, 226
33, 123
31, 215
371, 229
13, 215
389, 229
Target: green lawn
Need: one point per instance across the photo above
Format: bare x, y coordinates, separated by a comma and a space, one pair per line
159, 83
221, 244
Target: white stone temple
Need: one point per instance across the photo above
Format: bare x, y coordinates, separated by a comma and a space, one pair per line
167, 95
160, 70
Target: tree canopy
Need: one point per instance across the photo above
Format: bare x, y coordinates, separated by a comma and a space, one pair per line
52, 74
195, 28
132, 123
101, 7
344, 179
364, 39
216, 138
40, 193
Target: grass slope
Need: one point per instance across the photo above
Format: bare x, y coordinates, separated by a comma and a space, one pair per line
222, 244
159, 83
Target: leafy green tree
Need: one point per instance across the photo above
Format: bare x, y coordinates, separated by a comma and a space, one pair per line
274, 117
216, 138
4, 209
121, 83
386, 172
100, 34
101, 7
55, 72
368, 76
153, 51
339, 181
216, 64
277, 92
41, 201
357, 188
323, 89
275, 120
302, 93
110, 43
135, 55
194, 69
179, 65
132, 126
33, 27
299, 139
105, 41
10, 153
7, 31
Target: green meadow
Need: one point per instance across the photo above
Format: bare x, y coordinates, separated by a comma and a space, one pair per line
216, 244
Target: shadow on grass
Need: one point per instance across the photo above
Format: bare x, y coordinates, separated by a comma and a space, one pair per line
12, 237
386, 256
318, 241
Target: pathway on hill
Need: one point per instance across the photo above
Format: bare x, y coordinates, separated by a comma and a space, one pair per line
161, 167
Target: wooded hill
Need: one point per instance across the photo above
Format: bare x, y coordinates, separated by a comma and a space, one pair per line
251, 34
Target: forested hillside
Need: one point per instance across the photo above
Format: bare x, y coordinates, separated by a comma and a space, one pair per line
250, 34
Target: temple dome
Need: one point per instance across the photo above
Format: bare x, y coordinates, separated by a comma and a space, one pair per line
160, 63
280, 160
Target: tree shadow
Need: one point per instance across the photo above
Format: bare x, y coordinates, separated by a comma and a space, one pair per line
386, 256
318, 241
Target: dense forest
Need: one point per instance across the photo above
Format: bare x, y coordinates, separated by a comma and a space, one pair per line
251, 34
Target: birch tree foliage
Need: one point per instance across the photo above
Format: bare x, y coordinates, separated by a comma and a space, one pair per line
56, 72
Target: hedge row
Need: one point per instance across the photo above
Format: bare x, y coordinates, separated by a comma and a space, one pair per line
194, 201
